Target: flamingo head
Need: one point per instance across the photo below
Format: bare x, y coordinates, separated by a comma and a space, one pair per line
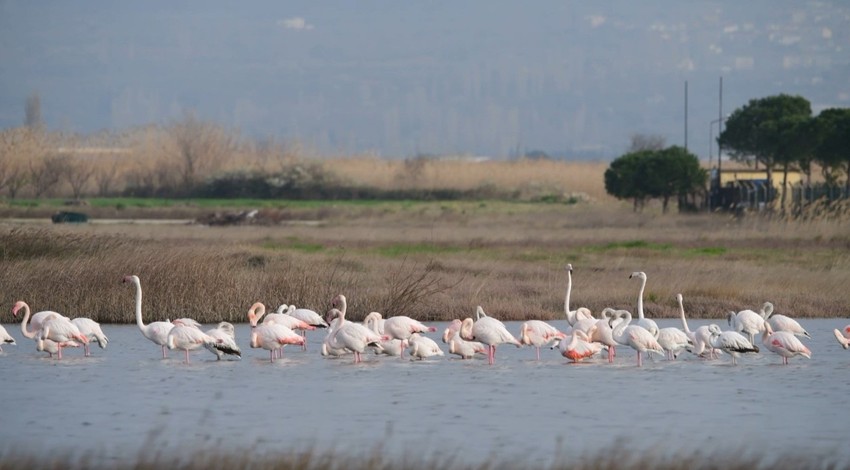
255, 312
130, 278
638, 274
333, 314
714, 329
18, 305
569, 267
466, 330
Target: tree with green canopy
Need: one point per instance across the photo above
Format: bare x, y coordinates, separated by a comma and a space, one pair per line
832, 151
774, 131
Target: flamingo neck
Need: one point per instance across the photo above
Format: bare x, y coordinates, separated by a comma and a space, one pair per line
684, 320
571, 316
640, 298
618, 333
24, 329
139, 321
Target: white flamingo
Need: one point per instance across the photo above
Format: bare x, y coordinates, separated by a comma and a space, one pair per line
225, 335
91, 329
188, 338
403, 327
781, 322
747, 322
634, 336
389, 346
156, 331
731, 342
579, 346
673, 341
310, 317
46, 345
350, 335
423, 347
648, 324
539, 333
580, 313
5, 337
258, 311
459, 346
489, 331
329, 349
701, 337
843, 336
61, 331
784, 344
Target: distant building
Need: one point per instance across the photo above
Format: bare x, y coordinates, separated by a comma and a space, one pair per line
737, 188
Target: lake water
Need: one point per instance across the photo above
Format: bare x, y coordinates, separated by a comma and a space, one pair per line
126, 397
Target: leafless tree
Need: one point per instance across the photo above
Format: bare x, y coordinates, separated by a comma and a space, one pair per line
201, 149
646, 142
46, 172
32, 113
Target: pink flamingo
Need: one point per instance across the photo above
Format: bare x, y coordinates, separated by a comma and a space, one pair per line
271, 336
459, 346
156, 331
306, 315
579, 346
784, 344
91, 329
349, 335
188, 338
539, 333
489, 331
258, 310
402, 328
748, 322
635, 336
673, 341
61, 331
646, 323
390, 346
46, 345
782, 322
843, 336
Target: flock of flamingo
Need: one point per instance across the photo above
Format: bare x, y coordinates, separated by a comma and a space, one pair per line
588, 336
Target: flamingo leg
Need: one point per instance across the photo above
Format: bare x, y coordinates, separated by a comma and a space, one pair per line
187, 356
60, 351
164, 354
304, 336
640, 361
271, 355
538, 353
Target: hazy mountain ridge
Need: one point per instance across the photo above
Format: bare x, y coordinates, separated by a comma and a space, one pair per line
406, 78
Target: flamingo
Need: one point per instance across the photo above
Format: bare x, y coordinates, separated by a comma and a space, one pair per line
390, 346
843, 336
423, 347
781, 322
747, 322
784, 344
350, 335
579, 347
673, 341
731, 342
91, 329
648, 324
327, 348
258, 310
46, 345
489, 331
308, 316
156, 331
635, 336
61, 331
603, 333
403, 327
225, 336
271, 335
580, 313
701, 337
459, 346
188, 338
6, 338
539, 333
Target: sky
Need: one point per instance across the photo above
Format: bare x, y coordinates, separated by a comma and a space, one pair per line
574, 79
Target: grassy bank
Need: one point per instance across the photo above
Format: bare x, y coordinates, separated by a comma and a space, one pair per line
434, 261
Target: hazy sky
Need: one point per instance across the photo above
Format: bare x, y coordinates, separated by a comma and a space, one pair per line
400, 78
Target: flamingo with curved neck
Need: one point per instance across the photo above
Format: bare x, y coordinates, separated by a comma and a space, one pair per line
489, 331
47, 345
156, 331
701, 337
635, 336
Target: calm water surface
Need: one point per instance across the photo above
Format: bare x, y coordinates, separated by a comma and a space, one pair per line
126, 399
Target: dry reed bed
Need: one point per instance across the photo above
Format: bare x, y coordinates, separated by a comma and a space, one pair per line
312, 459
435, 262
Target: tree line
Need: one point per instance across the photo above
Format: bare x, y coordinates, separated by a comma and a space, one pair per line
778, 132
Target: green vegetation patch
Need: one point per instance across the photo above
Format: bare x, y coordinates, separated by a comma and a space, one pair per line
631, 245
